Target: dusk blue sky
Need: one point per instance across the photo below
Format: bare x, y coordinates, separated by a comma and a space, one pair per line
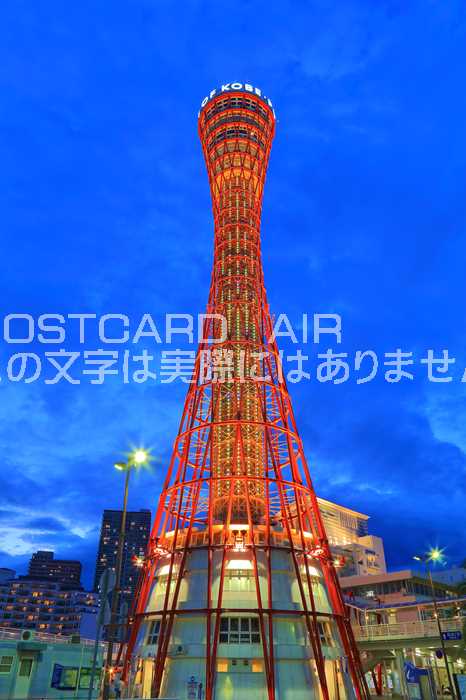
106, 209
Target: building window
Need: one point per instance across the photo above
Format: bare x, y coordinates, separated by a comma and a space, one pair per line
325, 634
85, 677
154, 631
25, 668
239, 582
239, 630
6, 663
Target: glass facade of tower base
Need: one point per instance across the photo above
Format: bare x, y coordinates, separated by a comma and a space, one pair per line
240, 659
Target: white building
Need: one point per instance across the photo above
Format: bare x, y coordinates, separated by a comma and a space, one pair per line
240, 672
360, 553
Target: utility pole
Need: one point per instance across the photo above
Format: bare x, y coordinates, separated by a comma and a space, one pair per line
105, 585
436, 554
442, 641
136, 459
116, 594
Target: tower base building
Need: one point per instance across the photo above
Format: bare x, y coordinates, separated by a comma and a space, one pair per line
239, 656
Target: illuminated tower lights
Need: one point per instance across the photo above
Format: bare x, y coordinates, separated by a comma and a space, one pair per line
238, 592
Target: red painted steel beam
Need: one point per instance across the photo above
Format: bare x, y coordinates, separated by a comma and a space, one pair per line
238, 457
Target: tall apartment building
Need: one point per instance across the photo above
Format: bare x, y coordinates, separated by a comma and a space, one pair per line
137, 532
45, 606
360, 553
43, 565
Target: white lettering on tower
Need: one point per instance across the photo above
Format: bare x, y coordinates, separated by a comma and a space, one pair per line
228, 87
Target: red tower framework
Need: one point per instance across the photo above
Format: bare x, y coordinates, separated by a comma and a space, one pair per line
238, 485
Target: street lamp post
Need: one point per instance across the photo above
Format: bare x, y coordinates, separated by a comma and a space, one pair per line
136, 459
436, 555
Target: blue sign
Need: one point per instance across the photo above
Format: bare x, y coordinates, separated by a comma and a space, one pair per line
64, 677
460, 681
56, 676
451, 636
413, 673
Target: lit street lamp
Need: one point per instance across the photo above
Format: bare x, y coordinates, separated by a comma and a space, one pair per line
136, 459
436, 555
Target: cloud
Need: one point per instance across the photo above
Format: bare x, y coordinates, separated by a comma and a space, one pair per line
45, 525
107, 209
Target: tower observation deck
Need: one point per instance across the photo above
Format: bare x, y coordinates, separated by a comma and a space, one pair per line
239, 592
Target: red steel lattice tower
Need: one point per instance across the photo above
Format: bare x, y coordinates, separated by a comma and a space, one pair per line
238, 560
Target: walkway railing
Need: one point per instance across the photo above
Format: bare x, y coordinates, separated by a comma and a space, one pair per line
6, 633
402, 630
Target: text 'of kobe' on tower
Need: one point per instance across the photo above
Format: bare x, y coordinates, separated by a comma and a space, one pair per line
238, 596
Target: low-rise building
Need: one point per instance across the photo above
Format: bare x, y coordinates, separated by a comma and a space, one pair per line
401, 649
395, 587
39, 665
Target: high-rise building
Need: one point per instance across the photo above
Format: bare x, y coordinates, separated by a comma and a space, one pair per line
137, 531
43, 565
239, 595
